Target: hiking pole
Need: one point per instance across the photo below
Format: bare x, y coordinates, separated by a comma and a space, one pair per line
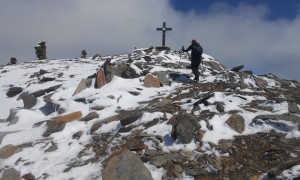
179, 61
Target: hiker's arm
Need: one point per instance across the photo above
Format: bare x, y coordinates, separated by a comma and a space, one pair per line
189, 48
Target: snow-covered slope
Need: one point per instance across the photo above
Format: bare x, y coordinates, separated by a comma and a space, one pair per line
95, 122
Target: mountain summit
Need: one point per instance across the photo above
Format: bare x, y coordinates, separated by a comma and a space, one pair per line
139, 116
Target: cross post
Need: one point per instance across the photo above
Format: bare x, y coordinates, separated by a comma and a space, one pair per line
164, 29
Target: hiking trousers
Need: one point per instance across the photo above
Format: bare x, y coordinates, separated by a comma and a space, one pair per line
195, 68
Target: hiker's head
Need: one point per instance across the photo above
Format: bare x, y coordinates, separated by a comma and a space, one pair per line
194, 42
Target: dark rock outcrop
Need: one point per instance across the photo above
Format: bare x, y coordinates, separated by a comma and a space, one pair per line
237, 68
14, 91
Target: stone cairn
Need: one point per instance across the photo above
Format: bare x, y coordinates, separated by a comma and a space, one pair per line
40, 50
83, 54
13, 60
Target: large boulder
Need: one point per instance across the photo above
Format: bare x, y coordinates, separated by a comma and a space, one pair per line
28, 100
10, 174
100, 78
8, 150
58, 124
122, 70
81, 86
286, 117
185, 128
262, 84
236, 122
12, 118
162, 77
293, 107
125, 165
151, 81
45, 91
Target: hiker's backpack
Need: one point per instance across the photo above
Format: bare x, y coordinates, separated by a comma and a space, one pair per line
198, 50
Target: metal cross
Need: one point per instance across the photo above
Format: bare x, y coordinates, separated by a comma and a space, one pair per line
164, 29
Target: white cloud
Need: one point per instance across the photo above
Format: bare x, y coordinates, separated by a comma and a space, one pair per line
234, 35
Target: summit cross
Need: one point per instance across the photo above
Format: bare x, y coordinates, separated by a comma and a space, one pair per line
164, 29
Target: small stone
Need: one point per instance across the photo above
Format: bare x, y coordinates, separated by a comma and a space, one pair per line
52, 148
90, 116
95, 127
129, 120
77, 135
42, 71
200, 134
98, 108
111, 97
186, 154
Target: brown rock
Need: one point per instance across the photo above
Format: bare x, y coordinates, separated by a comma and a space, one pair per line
54, 126
151, 81
69, 117
28, 176
200, 134
90, 116
8, 150
95, 127
10, 174
100, 79
236, 122
57, 124
255, 177
134, 144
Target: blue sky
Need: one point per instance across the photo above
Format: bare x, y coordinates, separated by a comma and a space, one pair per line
261, 35
278, 9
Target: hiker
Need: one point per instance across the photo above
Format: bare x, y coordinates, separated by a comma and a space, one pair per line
197, 51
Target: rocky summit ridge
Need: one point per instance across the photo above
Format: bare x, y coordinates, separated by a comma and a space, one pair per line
139, 116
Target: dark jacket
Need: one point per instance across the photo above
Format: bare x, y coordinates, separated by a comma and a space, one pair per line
195, 55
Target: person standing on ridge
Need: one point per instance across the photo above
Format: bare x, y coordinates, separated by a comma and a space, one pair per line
197, 51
